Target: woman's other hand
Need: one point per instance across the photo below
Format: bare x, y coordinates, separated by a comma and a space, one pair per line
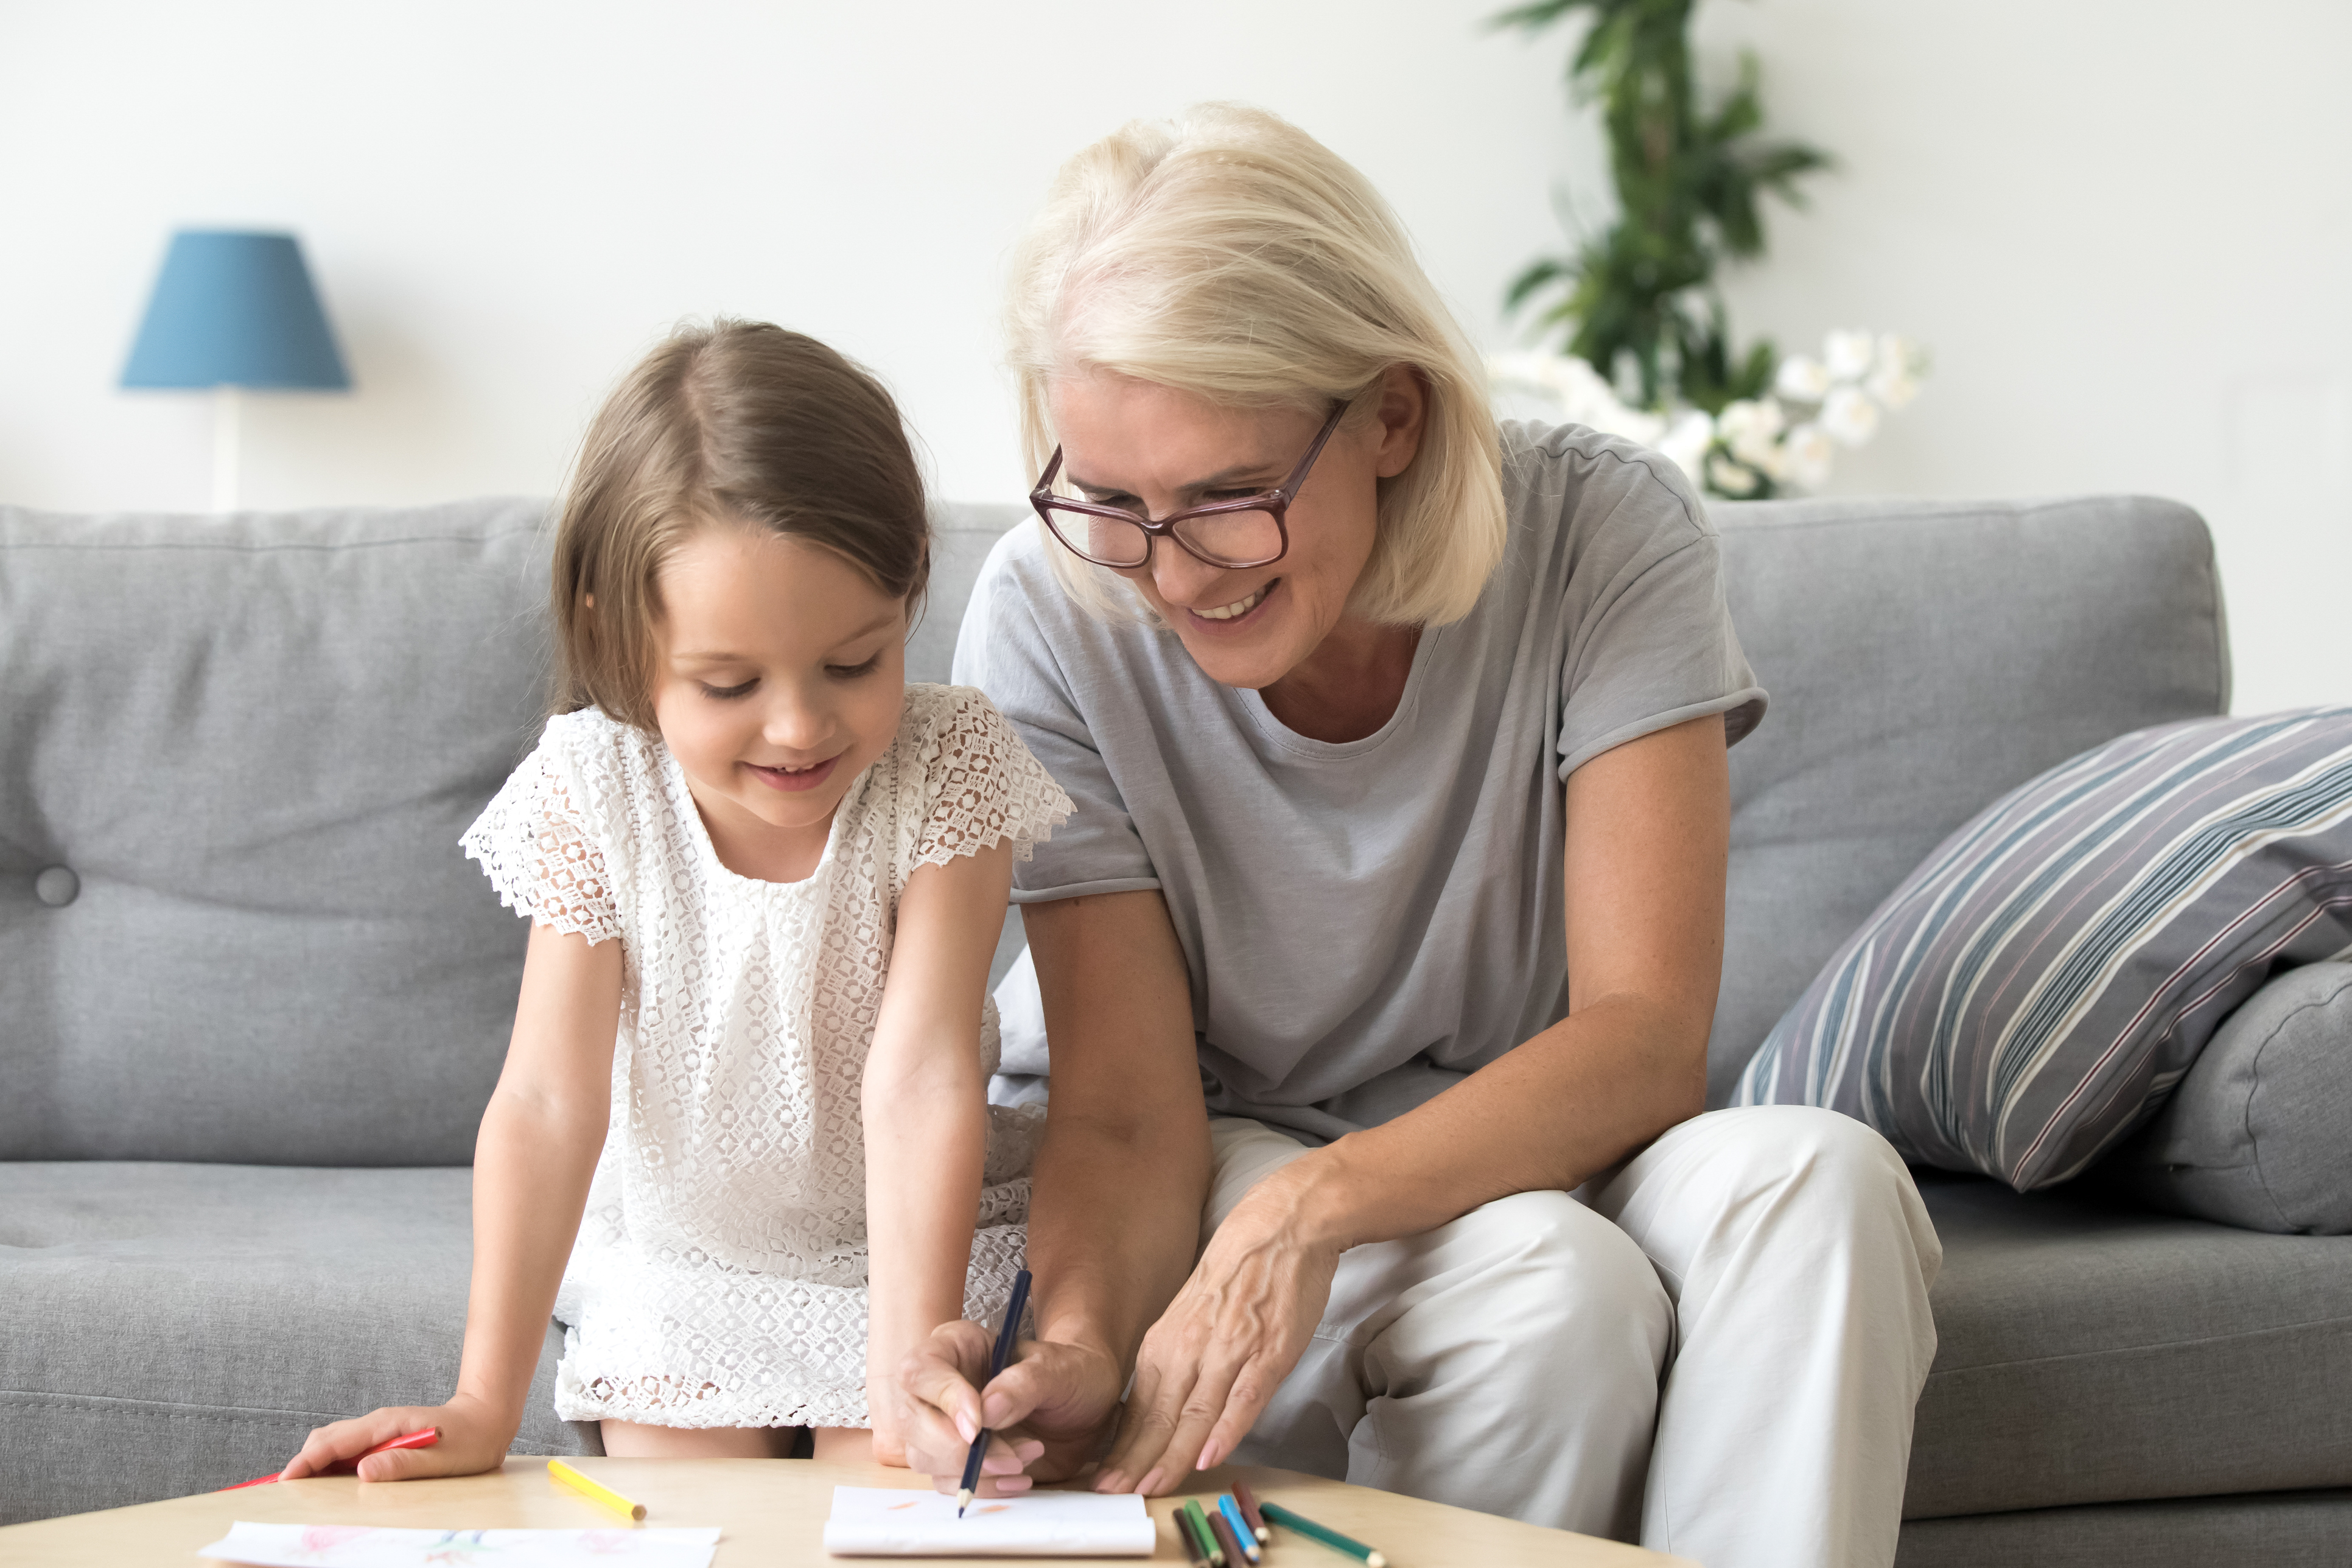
1208, 1367
1045, 1414
472, 1440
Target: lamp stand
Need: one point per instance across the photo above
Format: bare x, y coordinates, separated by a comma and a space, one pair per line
225, 408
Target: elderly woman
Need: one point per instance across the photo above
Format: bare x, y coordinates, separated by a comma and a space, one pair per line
1378, 960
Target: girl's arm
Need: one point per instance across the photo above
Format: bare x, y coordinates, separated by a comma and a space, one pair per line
540, 1136
926, 1116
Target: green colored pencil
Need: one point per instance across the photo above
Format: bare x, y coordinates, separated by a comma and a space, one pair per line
1292, 1519
1198, 1523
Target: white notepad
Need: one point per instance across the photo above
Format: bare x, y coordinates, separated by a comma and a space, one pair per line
365, 1546
878, 1521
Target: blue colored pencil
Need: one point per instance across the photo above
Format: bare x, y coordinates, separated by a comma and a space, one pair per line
1242, 1531
1014, 1306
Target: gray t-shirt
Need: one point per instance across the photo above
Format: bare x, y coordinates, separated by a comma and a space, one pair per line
1367, 922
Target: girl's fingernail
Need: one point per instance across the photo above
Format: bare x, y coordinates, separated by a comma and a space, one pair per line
964, 1426
1150, 1484
1208, 1460
1110, 1481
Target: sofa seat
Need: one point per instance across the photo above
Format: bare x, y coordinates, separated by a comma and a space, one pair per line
2093, 1353
178, 1327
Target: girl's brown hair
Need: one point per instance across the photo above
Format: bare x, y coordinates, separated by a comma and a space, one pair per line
739, 423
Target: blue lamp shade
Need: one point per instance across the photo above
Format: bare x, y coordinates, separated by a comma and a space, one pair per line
235, 309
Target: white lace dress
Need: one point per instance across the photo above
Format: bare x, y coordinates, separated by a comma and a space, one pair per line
720, 1275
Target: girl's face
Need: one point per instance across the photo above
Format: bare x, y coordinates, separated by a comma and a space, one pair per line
779, 674
1129, 442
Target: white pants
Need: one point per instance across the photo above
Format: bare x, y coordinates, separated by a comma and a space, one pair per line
1726, 1373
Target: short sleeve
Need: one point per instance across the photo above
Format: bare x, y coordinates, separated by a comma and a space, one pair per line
536, 844
981, 786
1651, 644
1054, 698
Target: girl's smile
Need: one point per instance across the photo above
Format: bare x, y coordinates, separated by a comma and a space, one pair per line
801, 778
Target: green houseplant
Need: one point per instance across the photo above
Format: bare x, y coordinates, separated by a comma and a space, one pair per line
1638, 301
1645, 342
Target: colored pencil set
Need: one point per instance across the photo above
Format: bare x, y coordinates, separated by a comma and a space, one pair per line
1232, 1533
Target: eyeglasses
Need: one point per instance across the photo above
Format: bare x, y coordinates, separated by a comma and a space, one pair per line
1249, 530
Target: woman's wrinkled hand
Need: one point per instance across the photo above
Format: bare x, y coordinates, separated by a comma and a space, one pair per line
1045, 1414
472, 1440
1210, 1364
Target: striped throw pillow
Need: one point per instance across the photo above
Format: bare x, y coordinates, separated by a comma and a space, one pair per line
2033, 991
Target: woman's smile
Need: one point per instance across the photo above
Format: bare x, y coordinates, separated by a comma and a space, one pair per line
1240, 610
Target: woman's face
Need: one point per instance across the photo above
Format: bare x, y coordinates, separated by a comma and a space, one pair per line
1136, 443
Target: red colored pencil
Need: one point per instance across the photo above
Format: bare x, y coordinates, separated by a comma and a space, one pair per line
424, 1439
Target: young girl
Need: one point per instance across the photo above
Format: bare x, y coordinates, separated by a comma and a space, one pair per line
765, 877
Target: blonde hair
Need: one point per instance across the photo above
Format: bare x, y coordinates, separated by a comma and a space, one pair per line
738, 422
1232, 256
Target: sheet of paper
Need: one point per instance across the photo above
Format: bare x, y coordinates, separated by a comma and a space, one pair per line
876, 1522
361, 1546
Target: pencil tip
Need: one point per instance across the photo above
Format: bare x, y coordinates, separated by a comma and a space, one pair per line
963, 1501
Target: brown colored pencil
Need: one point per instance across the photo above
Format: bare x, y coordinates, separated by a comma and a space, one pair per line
1250, 1511
1226, 1538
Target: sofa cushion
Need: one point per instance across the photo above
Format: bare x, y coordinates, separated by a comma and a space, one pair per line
2037, 986
253, 741
2274, 1529
176, 1328
1923, 657
2260, 1132
2090, 1352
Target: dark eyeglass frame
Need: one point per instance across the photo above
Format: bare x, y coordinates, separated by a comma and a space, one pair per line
1275, 502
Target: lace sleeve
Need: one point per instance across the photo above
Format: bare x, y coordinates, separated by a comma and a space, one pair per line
980, 785
536, 846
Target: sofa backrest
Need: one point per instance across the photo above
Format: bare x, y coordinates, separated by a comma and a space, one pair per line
250, 743
1923, 657
253, 743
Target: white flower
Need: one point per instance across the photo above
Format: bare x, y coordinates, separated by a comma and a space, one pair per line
1809, 456
1892, 385
1572, 392
1686, 441
1752, 431
1729, 478
1848, 355
1850, 417
1802, 379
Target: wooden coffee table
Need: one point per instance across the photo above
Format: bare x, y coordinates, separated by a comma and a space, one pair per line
772, 1512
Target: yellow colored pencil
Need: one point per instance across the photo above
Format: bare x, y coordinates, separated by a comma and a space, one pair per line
564, 1474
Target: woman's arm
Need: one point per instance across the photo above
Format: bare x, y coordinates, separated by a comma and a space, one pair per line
1115, 1215
532, 1163
926, 1113
1647, 837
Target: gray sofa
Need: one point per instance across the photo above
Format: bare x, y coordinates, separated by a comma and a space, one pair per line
252, 1001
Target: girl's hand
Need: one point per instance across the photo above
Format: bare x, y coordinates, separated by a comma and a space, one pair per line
1045, 1414
1207, 1368
472, 1441
891, 1414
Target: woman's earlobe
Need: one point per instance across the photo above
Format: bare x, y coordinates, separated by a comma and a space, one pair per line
587, 601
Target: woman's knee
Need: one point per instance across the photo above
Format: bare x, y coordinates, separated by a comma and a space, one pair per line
1826, 1153
1557, 1275
1809, 1172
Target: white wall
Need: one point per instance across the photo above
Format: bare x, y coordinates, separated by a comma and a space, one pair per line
2121, 227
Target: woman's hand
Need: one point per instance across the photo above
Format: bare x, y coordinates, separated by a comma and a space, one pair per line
1207, 1368
1045, 1414
472, 1440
